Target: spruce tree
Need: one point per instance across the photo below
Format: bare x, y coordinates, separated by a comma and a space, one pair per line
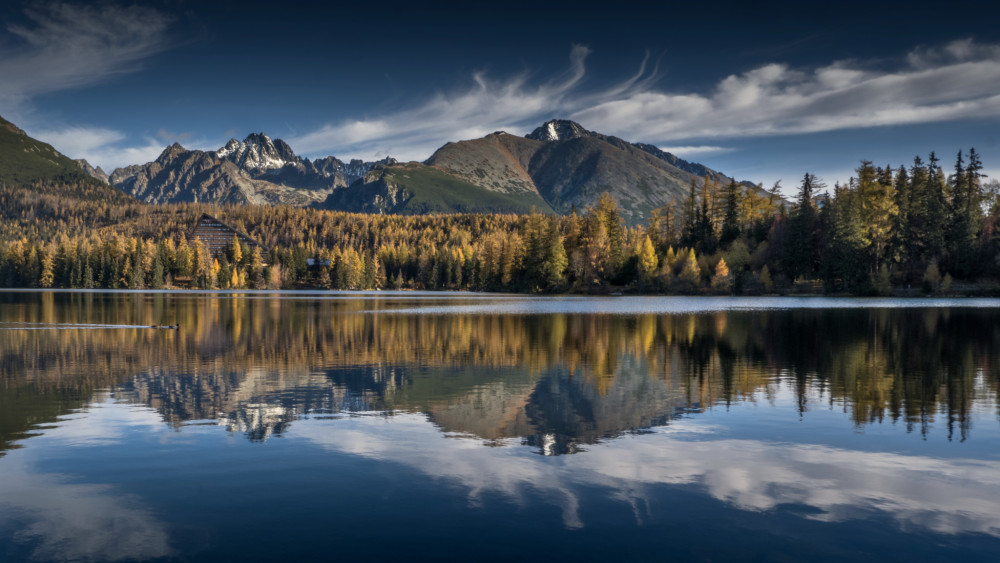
801, 250
731, 219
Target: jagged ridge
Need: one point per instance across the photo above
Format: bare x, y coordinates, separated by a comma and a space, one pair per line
255, 170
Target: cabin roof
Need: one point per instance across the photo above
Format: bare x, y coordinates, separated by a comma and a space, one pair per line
217, 234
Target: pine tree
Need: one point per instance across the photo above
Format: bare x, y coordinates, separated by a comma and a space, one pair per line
878, 209
608, 213
554, 268
801, 250
935, 211
966, 214
706, 240
731, 219
647, 261
47, 269
689, 218
845, 264
690, 275
721, 280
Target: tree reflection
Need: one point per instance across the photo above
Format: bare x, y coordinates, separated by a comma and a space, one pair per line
554, 381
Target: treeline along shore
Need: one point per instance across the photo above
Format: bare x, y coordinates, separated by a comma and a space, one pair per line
920, 229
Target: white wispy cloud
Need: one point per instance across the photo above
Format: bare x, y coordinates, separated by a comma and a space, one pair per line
696, 150
110, 149
65, 46
952, 82
101, 147
69, 46
487, 106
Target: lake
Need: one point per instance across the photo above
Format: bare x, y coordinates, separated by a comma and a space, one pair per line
389, 426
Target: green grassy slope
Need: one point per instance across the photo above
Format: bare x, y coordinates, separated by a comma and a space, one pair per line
27, 162
416, 189
435, 191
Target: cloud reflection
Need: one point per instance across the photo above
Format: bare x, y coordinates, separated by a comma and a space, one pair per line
67, 521
944, 496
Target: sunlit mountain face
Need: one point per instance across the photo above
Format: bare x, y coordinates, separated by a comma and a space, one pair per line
549, 417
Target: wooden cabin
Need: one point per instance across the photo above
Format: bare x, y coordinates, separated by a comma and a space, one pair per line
218, 236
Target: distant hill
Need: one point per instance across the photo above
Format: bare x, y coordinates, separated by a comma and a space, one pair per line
29, 163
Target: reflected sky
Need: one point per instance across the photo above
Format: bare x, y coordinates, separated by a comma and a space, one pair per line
319, 426
54, 516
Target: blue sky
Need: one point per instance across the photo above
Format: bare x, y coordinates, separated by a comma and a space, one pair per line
762, 93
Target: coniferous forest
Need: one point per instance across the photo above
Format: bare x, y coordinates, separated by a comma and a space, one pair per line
921, 229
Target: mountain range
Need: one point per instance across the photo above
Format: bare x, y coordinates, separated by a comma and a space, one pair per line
558, 167
255, 170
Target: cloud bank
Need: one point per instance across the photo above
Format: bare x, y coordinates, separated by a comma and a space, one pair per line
953, 82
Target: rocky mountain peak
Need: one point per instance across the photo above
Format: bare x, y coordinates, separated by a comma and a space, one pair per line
558, 130
170, 153
96, 173
258, 152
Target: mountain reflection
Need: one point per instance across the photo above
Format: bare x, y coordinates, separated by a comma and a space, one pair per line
557, 381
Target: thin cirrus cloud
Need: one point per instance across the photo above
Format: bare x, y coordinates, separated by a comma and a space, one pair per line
487, 106
69, 46
953, 82
685, 151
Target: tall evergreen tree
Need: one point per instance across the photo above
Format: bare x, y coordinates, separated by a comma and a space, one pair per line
935, 210
876, 194
689, 217
802, 246
731, 218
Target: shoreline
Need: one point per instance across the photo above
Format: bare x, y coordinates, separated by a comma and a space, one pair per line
901, 294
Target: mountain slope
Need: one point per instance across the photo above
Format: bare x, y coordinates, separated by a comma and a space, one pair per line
497, 162
180, 175
29, 163
256, 170
568, 166
95, 173
415, 188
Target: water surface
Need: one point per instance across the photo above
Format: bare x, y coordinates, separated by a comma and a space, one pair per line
468, 426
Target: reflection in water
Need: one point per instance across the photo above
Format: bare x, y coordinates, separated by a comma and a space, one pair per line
555, 380
64, 520
944, 496
641, 398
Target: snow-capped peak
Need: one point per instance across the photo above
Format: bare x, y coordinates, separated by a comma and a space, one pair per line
558, 130
257, 152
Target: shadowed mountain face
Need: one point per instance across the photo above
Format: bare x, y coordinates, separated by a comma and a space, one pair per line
557, 167
568, 166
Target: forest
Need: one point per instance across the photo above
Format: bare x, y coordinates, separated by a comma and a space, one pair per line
900, 230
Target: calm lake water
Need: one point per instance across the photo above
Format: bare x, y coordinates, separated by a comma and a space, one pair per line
389, 426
